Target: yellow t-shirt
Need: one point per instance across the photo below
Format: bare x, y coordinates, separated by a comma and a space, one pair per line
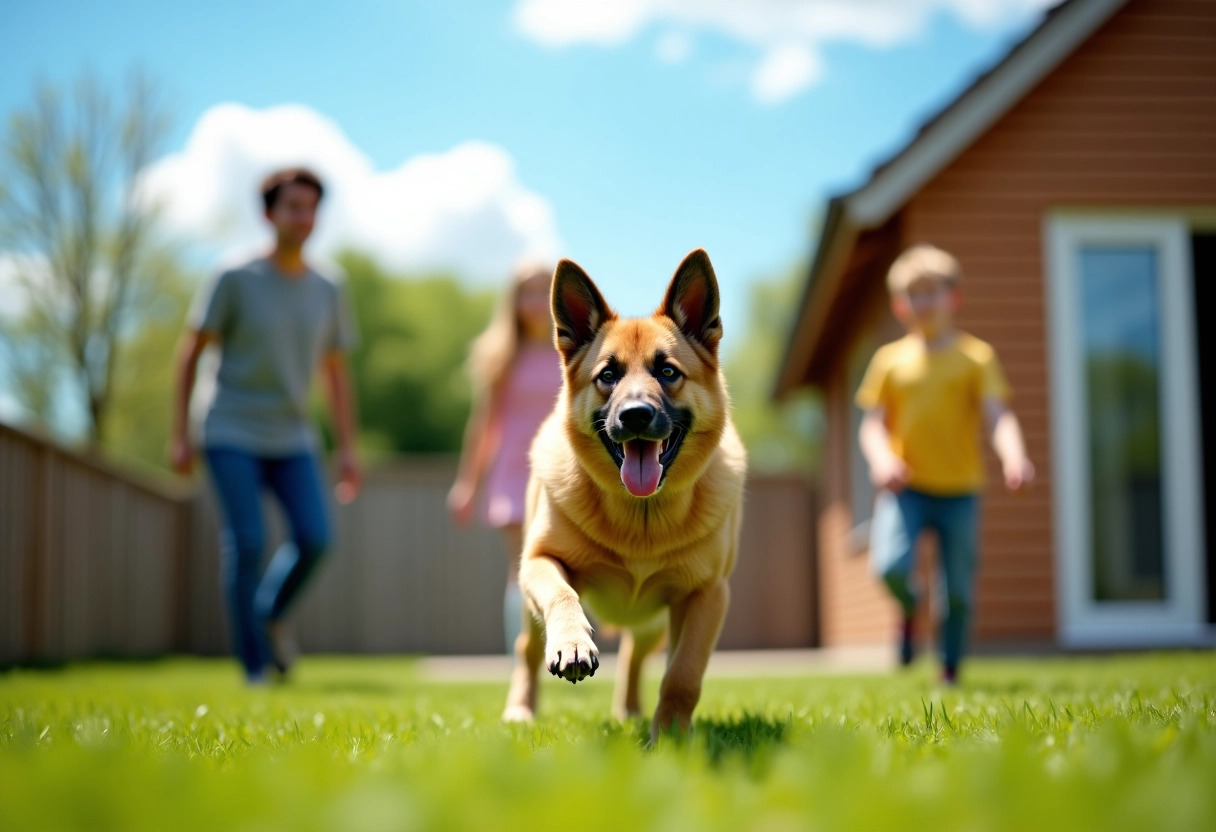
933, 403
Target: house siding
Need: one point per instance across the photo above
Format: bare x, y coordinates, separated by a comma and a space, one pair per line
1127, 122
853, 606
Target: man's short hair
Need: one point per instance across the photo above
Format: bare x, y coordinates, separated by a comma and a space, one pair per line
273, 184
923, 261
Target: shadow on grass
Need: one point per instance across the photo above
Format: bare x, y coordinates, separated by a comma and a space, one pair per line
748, 737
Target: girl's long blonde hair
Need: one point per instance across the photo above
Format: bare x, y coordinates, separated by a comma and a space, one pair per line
495, 349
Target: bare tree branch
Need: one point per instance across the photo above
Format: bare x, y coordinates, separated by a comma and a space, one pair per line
69, 168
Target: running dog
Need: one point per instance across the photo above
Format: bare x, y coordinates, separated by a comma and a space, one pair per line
635, 498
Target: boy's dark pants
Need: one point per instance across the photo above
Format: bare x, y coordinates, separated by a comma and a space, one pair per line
898, 522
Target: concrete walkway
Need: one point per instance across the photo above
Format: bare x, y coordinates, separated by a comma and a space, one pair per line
724, 664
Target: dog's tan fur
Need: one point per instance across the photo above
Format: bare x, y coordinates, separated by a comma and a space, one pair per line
589, 540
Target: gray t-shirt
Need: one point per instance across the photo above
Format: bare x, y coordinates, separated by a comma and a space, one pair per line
273, 330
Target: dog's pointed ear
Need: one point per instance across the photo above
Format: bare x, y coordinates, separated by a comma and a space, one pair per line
692, 301
578, 308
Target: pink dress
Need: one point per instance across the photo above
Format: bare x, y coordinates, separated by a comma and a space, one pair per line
531, 389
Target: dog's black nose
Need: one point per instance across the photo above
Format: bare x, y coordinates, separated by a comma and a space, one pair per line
636, 416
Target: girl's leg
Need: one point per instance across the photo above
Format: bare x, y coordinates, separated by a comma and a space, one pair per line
237, 478
958, 525
297, 483
512, 602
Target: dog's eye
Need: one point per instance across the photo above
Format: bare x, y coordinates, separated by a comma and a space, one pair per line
608, 377
669, 373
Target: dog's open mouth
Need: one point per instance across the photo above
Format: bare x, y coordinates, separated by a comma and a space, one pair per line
644, 463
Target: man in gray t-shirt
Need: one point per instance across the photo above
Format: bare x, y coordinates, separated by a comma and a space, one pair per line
275, 321
274, 329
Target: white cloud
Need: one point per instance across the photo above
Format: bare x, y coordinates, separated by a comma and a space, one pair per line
788, 34
784, 72
562, 23
463, 208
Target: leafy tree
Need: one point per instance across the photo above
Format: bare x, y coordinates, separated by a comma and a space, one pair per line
69, 209
141, 403
408, 369
778, 437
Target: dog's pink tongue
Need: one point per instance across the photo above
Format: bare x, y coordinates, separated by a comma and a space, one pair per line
641, 469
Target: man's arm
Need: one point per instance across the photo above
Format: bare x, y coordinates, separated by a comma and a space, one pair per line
887, 471
1006, 436
181, 455
342, 407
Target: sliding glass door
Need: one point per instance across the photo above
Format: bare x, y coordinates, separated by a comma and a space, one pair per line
1125, 423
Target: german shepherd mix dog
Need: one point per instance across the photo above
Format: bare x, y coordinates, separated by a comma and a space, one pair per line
635, 499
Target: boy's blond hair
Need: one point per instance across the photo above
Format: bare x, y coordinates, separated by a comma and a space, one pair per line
923, 261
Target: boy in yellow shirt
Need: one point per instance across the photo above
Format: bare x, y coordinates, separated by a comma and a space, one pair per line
925, 397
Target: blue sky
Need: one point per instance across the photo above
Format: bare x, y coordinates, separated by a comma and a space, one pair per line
467, 134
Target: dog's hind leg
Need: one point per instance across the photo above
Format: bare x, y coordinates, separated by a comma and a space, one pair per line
529, 652
636, 645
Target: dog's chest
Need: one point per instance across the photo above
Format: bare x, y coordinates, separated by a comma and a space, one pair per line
631, 594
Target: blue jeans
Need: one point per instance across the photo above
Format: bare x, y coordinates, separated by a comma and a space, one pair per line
254, 599
898, 521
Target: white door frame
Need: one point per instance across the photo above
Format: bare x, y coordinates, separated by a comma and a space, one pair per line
1179, 619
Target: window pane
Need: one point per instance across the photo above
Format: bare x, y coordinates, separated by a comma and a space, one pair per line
1122, 349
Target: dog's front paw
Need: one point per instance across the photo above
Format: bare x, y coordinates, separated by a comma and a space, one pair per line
572, 658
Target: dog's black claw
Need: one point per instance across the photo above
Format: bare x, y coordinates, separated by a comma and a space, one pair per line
577, 670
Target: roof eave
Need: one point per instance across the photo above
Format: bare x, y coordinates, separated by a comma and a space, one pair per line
978, 108
940, 142
835, 238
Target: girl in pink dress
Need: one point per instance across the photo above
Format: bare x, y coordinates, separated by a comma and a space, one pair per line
516, 377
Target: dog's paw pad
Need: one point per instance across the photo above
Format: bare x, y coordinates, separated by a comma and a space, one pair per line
573, 661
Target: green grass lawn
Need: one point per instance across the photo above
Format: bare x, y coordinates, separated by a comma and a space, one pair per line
368, 744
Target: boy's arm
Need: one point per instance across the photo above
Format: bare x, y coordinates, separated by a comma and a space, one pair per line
887, 471
1006, 436
342, 406
181, 455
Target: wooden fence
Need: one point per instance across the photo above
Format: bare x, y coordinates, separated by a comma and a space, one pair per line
98, 561
92, 559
